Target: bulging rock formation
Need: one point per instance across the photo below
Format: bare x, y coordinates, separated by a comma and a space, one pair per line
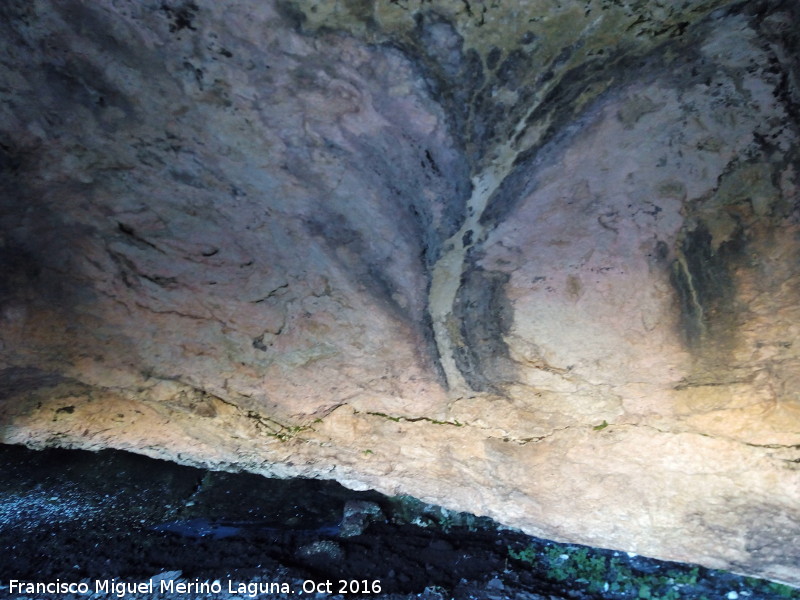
537, 261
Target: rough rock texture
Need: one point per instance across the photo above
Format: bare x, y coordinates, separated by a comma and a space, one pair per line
537, 260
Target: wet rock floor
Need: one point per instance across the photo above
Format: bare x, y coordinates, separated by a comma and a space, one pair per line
118, 525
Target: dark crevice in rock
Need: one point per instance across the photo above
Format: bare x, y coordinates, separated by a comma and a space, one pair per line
398, 418
272, 293
138, 239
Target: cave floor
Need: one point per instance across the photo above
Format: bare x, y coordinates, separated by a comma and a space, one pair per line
111, 518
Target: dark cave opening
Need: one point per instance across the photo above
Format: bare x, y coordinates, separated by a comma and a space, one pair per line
112, 518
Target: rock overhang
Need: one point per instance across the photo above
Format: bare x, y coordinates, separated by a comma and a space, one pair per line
428, 248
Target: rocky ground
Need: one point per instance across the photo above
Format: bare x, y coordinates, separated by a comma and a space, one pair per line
112, 522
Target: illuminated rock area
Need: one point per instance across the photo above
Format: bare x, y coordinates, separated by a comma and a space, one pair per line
534, 262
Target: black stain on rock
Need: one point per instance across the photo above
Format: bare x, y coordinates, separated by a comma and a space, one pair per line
84, 84
11, 160
441, 42
40, 248
477, 127
95, 26
453, 74
20, 270
772, 534
362, 10
15, 381
485, 315
659, 255
181, 17
493, 57
783, 34
514, 69
405, 173
706, 292
429, 162
348, 246
566, 110
370, 266
19, 13
291, 14
558, 107
485, 116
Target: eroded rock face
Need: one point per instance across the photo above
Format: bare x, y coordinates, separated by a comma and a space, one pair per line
534, 262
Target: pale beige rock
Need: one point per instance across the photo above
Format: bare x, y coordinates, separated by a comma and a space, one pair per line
537, 263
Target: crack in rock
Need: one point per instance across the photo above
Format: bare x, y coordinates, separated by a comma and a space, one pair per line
398, 418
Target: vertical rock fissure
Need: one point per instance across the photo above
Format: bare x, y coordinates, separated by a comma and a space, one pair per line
447, 272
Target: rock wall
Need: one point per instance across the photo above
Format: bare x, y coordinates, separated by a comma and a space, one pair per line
536, 261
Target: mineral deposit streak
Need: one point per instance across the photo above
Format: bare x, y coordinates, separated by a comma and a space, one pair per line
446, 275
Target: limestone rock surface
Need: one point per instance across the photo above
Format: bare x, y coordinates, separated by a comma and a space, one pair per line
537, 261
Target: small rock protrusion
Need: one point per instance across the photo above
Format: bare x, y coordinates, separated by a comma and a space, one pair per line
357, 516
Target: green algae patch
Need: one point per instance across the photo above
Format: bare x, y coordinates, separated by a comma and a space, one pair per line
622, 576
